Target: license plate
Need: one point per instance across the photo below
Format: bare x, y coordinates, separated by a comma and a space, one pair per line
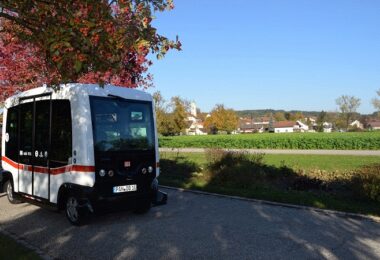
125, 188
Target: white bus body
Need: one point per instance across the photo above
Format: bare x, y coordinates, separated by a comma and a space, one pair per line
83, 142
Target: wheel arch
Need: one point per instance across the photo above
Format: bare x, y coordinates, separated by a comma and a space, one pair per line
70, 188
5, 176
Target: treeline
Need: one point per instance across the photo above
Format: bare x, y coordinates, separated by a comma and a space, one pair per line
267, 112
173, 117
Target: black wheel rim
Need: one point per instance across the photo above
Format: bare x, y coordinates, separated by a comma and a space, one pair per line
10, 191
72, 209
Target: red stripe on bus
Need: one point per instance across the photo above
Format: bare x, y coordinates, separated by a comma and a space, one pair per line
41, 169
10, 162
53, 171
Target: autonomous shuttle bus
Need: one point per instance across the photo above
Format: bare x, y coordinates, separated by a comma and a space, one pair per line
80, 147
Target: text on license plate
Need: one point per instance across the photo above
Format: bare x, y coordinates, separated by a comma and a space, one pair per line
125, 188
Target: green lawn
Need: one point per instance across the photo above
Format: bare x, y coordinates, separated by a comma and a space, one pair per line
331, 173
296, 161
321, 162
10, 249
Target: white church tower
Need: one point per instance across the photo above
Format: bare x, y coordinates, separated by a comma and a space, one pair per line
193, 109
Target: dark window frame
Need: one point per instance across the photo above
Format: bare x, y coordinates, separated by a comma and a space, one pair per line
54, 105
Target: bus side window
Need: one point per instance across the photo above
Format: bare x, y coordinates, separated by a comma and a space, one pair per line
11, 143
61, 133
41, 141
26, 133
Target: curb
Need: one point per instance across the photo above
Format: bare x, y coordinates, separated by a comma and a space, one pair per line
285, 205
26, 244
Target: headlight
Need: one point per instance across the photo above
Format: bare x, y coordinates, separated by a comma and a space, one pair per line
111, 173
150, 169
102, 173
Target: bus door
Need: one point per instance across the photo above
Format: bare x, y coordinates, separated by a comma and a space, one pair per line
25, 137
34, 136
41, 172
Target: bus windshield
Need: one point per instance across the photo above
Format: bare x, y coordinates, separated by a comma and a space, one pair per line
122, 125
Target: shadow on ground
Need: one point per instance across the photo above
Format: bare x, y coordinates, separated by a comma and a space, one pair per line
247, 175
196, 226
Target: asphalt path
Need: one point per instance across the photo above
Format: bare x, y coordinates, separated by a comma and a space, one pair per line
195, 226
282, 151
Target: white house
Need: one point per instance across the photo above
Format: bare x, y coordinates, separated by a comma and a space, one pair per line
357, 124
301, 127
327, 127
284, 127
195, 128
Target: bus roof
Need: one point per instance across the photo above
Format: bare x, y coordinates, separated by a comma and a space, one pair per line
68, 91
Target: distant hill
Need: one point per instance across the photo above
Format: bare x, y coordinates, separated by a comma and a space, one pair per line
266, 112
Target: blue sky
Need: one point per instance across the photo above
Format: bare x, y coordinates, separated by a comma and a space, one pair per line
292, 55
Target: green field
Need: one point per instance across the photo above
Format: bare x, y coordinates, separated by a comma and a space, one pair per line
323, 181
333, 141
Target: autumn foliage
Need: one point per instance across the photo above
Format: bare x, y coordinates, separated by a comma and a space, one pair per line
89, 41
221, 120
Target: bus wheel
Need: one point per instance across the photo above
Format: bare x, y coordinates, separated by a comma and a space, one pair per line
10, 193
143, 206
76, 214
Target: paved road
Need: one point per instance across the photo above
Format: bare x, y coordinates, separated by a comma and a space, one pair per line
196, 226
283, 151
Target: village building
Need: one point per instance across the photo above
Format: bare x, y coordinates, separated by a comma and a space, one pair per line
357, 124
301, 127
194, 125
283, 127
373, 125
253, 125
327, 127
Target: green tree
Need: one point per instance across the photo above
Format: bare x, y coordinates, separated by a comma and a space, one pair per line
222, 119
376, 103
320, 120
170, 122
279, 116
347, 107
161, 113
297, 116
287, 115
179, 114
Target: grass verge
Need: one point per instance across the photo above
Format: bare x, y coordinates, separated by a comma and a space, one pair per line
327, 182
10, 249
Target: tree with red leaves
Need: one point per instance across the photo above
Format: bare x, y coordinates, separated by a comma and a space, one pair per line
87, 41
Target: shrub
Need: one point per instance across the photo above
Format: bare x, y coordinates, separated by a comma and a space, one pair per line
244, 170
214, 155
366, 183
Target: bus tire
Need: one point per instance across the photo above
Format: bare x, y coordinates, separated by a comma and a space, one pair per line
8, 187
76, 214
143, 206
